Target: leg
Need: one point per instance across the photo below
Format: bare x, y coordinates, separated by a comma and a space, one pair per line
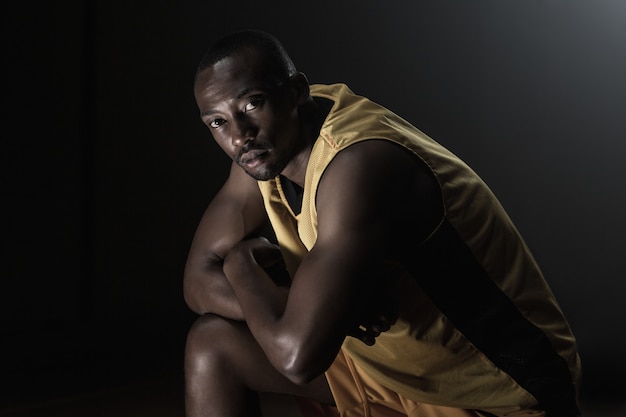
225, 368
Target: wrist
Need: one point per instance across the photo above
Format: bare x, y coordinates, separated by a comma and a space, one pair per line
235, 262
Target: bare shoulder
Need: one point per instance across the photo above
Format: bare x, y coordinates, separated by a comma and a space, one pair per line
378, 183
236, 211
239, 183
240, 194
381, 158
380, 168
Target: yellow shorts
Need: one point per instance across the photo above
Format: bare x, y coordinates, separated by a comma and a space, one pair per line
358, 395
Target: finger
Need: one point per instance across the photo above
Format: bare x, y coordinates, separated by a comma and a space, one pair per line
363, 335
376, 329
368, 339
385, 322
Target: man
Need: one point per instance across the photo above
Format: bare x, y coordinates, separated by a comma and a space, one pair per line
409, 290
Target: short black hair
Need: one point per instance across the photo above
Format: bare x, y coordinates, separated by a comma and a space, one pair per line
267, 45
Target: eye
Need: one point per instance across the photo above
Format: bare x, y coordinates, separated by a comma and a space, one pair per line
255, 102
215, 123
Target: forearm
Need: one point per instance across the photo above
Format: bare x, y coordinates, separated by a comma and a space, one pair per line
207, 290
263, 305
261, 301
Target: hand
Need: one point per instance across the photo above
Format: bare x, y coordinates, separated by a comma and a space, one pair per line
368, 332
383, 308
265, 254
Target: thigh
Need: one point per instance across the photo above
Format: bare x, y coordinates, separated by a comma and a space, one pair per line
231, 343
358, 394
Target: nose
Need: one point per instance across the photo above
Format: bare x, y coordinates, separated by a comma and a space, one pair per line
243, 130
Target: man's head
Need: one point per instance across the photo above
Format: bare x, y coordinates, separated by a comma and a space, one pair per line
278, 63
249, 95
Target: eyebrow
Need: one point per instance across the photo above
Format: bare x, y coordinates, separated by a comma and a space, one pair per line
239, 96
244, 92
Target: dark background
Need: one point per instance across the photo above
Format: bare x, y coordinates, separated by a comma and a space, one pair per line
107, 167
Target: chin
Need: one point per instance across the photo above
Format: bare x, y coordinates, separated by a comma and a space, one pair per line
262, 174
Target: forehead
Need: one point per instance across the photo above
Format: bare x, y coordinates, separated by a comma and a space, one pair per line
232, 74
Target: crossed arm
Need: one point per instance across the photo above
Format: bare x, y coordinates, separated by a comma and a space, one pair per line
365, 199
236, 213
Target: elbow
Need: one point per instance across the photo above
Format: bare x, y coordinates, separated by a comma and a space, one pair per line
302, 379
190, 295
301, 366
300, 376
305, 374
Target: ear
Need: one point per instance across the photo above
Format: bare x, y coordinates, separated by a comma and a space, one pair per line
300, 88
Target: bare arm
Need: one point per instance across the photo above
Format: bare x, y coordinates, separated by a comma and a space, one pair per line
365, 199
234, 214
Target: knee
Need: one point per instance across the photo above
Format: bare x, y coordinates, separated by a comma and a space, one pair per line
207, 342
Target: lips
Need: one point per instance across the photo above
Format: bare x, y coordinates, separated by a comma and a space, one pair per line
252, 157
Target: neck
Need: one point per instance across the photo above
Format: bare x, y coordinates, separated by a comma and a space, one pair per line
313, 116
295, 171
